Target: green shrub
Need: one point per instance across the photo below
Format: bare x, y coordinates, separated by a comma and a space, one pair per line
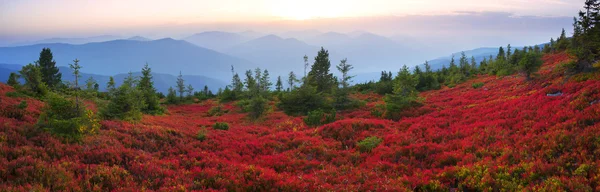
125, 103
15, 94
378, 110
201, 135
397, 105
229, 95
244, 105
318, 117
62, 117
22, 105
302, 100
217, 111
504, 72
477, 85
221, 126
368, 144
342, 100
258, 107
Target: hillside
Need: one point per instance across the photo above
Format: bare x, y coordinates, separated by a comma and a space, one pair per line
113, 57
508, 134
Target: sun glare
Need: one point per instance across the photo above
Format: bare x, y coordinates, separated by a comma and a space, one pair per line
309, 9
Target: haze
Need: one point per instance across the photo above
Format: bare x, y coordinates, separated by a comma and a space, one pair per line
374, 35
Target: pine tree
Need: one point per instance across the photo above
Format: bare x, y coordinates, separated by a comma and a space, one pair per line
319, 75
404, 95
265, 83
180, 86
530, 63
172, 96
562, 42
76, 67
190, 90
89, 84
473, 67
13, 80
278, 85
305, 65
236, 83
452, 68
150, 97
344, 68
126, 103
110, 86
463, 63
292, 80
50, 73
508, 51
501, 54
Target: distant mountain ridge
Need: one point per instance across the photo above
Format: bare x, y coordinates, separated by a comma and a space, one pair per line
112, 57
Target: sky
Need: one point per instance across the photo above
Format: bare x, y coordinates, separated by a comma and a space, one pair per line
27, 19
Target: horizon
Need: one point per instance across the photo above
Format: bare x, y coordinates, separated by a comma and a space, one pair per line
33, 20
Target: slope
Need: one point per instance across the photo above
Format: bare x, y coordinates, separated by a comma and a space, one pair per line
508, 135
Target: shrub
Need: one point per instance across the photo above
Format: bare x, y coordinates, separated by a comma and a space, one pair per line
378, 110
477, 85
221, 126
368, 144
15, 94
318, 117
229, 95
302, 100
13, 111
217, 111
244, 105
126, 103
22, 105
396, 105
258, 107
201, 135
61, 117
344, 102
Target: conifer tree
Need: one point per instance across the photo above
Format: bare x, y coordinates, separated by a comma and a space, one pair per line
344, 68
89, 84
172, 96
50, 73
278, 85
319, 75
190, 90
150, 97
180, 86
292, 80
76, 67
110, 86
530, 63
265, 83
463, 63
126, 103
13, 80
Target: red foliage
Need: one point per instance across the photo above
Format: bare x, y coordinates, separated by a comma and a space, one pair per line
506, 135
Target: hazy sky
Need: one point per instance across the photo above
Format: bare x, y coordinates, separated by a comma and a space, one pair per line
33, 16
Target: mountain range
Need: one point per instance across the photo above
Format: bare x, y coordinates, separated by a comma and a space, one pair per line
211, 54
167, 56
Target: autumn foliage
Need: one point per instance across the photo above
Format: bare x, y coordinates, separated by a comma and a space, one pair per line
507, 134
